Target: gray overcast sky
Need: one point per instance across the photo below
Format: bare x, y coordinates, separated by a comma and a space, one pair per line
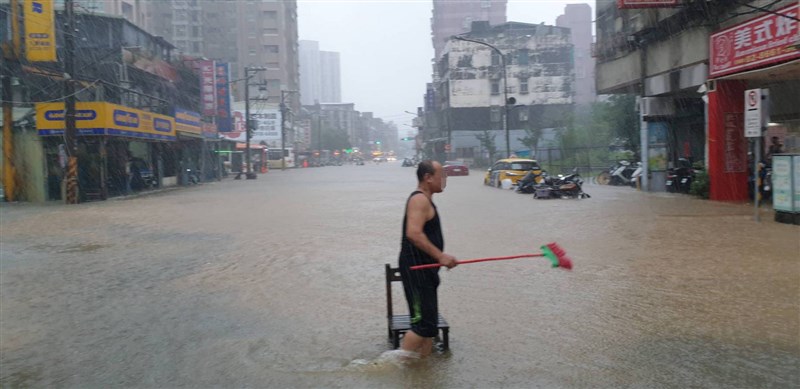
386, 47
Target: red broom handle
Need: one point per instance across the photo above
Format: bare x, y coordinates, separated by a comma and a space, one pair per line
433, 265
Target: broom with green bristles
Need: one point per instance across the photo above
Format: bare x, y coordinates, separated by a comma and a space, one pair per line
552, 251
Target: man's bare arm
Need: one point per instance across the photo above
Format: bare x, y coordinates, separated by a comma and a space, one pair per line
419, 212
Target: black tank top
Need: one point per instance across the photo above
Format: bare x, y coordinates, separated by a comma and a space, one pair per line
410, 255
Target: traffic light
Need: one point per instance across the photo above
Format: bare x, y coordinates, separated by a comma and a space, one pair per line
378, 142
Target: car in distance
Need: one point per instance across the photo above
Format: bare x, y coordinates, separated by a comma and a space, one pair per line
455, 168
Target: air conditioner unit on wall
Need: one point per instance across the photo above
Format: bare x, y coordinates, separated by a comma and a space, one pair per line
657, 107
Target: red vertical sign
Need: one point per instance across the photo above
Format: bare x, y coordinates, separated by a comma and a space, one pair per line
735, 144
208, 96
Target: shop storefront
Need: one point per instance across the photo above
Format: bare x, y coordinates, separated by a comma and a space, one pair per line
120, 150
761, 53
197, 143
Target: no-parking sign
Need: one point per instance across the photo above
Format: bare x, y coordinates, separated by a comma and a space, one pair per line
752, 113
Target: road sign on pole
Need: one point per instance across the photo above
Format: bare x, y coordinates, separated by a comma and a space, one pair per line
752, 113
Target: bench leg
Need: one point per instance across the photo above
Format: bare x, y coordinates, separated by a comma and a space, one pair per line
396, 340
446, 338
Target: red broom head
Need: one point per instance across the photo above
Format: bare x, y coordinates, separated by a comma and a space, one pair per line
563, 261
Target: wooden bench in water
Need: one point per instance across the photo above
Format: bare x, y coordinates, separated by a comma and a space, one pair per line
400, 324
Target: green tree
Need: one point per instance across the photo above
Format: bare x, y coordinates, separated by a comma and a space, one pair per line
531, 139
487, 140
335, 139
619, 115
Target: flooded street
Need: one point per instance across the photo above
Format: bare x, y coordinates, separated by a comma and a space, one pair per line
279, 282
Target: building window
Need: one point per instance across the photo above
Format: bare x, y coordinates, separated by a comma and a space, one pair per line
523, 115
523, 85
269, 15
195, 32
495, 59
196, 47
494, 114
270, 31
495, 87
271, 48
486, 3
180, 31
195, 16
522, 57
273, 65
252, 52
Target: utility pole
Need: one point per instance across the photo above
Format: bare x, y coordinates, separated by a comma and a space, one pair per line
283, 126
318, 120
71, 132
247, 120
11, 52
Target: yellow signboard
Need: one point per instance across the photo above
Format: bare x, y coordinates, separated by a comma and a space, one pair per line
188, 121
40, 35
99, 118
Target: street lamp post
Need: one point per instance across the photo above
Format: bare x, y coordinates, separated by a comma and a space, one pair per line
506, 102
283, 126
248, 122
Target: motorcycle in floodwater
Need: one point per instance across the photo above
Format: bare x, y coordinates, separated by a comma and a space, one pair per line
679, 179
527, 184
192, 177
561, 187
765, 186
619, 174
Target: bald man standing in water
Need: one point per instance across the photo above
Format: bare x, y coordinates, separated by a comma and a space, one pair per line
423, 243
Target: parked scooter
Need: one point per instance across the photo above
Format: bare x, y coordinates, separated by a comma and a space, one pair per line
192, 178
637, 174
527, 184
765, 187
679, 179
618, 174
561, 187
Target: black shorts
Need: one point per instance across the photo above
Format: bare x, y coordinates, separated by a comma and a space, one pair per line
423, 307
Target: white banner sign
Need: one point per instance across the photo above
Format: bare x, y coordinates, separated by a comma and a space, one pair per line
752, 113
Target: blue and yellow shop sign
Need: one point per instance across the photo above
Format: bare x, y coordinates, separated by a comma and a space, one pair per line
188, 121
99, 118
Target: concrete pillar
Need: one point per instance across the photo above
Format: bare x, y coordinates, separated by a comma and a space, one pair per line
727, 146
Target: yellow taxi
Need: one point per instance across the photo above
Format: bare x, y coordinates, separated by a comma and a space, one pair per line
512, 168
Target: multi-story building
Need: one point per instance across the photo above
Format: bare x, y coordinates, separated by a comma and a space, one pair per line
330, 77
252, 33
310, 78
181, 22
456, 17
142, 105
340, 117
691, 66
471, 89
320, 78
134, 11
578, 18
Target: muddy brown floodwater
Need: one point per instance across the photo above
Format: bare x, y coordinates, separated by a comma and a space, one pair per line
278, 282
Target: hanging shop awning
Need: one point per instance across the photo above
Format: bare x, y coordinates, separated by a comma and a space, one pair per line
101, 118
